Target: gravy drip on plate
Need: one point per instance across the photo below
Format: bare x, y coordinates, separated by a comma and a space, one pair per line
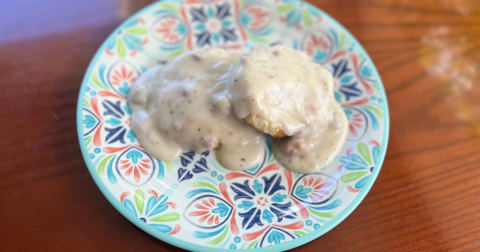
283, 86
184, 105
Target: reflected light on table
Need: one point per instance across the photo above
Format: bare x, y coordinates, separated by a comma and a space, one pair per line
456, 66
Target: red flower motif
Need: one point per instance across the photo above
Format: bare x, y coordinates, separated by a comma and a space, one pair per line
135, 168
317, 193
259, 16
356, 122
166, 29
122, 74
316, 42
206, 212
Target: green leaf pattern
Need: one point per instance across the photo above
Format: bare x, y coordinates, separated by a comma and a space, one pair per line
358, 165
139, 200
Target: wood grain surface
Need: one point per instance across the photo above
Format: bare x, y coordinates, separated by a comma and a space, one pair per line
426, 198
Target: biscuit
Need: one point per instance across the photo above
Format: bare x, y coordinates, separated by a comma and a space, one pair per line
264, 126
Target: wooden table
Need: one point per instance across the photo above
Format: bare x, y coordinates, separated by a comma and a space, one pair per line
426, 198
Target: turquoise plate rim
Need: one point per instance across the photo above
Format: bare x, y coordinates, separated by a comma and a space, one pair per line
195, 247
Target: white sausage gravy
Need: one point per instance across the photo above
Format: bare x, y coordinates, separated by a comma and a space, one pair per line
197, 100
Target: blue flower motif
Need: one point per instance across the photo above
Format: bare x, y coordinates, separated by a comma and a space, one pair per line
89, 121
366, 71
245, 205
283, 211
276, 237
267, 215
116, 123
115, 134
134, 155
222, 209
279, 197
340, 68
243, 191
213, 25
302, 192
262, 201
272, 184
320, 55
251, 218
257, 186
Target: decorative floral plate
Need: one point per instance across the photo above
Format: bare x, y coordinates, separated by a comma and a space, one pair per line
193, 202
